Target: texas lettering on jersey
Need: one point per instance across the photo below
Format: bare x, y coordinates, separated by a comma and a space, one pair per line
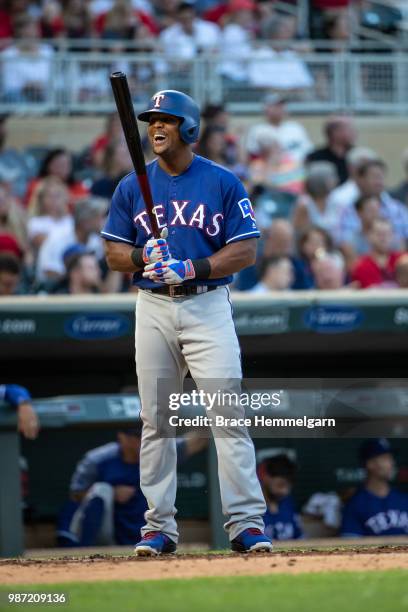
197, 217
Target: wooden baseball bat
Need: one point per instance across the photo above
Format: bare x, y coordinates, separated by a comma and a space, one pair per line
127, 117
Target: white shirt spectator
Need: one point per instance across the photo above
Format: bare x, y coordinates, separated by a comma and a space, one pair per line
291, 135
20, 69
278, 69
235, 49
344, 196
44, 225
50, 257
177, 44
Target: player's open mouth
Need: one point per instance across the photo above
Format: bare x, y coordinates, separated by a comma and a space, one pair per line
159, 138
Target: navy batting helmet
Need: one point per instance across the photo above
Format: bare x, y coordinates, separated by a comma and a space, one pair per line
178, 104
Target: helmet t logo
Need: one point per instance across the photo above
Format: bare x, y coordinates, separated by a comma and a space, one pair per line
157, 100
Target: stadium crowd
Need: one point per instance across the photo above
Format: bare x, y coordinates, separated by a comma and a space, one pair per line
327, 217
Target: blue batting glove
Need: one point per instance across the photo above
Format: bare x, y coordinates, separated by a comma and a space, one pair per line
156, 249
171, 272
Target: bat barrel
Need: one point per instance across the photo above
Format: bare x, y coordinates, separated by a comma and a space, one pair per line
127, 117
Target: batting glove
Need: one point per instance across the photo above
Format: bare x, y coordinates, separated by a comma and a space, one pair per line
156, 249
172, 272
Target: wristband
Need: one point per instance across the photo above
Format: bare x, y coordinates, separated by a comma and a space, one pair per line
202, 268
137, 257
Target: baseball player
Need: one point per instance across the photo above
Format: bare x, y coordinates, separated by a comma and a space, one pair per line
183, 313
27, 420
376, 509
276, 475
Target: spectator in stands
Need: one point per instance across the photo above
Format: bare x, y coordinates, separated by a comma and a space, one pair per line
313, 208
213, 145
337, 28
27, 420
377, 268
192, 34
215, 115
345, 195
117, 163
58, 162
370, 180
113, 133
107, 505
26, 64
165, 12
10, 274
312, 241
292, 136
88, 220
83, 273
274, 64
329, 270
48, 210
276, 241
275, 168
401, 271
357, 243
376, 509
236, 41
341, 136
400, 193
123, 22
51, 23
12, 218
276, 274
15, 168
77, 19
276, 475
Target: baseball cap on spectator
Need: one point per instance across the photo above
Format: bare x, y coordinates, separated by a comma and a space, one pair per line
8, 244
73, 252
374, 448
86, 209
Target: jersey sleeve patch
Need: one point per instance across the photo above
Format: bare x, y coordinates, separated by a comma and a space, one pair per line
246, 208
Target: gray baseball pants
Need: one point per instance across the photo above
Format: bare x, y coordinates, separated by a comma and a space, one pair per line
197, 333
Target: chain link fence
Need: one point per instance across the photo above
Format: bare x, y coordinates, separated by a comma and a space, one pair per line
66, 83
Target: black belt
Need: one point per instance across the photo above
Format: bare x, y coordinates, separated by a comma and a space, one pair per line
182, 290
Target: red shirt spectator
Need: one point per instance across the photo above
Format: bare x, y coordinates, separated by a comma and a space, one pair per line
368, 271
6, 29
378, 267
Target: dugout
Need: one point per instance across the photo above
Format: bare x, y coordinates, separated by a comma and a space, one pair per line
57, 346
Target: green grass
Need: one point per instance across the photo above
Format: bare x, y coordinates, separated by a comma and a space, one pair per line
383, 591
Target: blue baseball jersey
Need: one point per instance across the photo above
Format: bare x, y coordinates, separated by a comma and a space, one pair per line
204, 208
283, 524
105, 464
366, 514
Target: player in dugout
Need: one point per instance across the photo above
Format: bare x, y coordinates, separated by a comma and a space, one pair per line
376, 509
276, 474
183, 314
106, 505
